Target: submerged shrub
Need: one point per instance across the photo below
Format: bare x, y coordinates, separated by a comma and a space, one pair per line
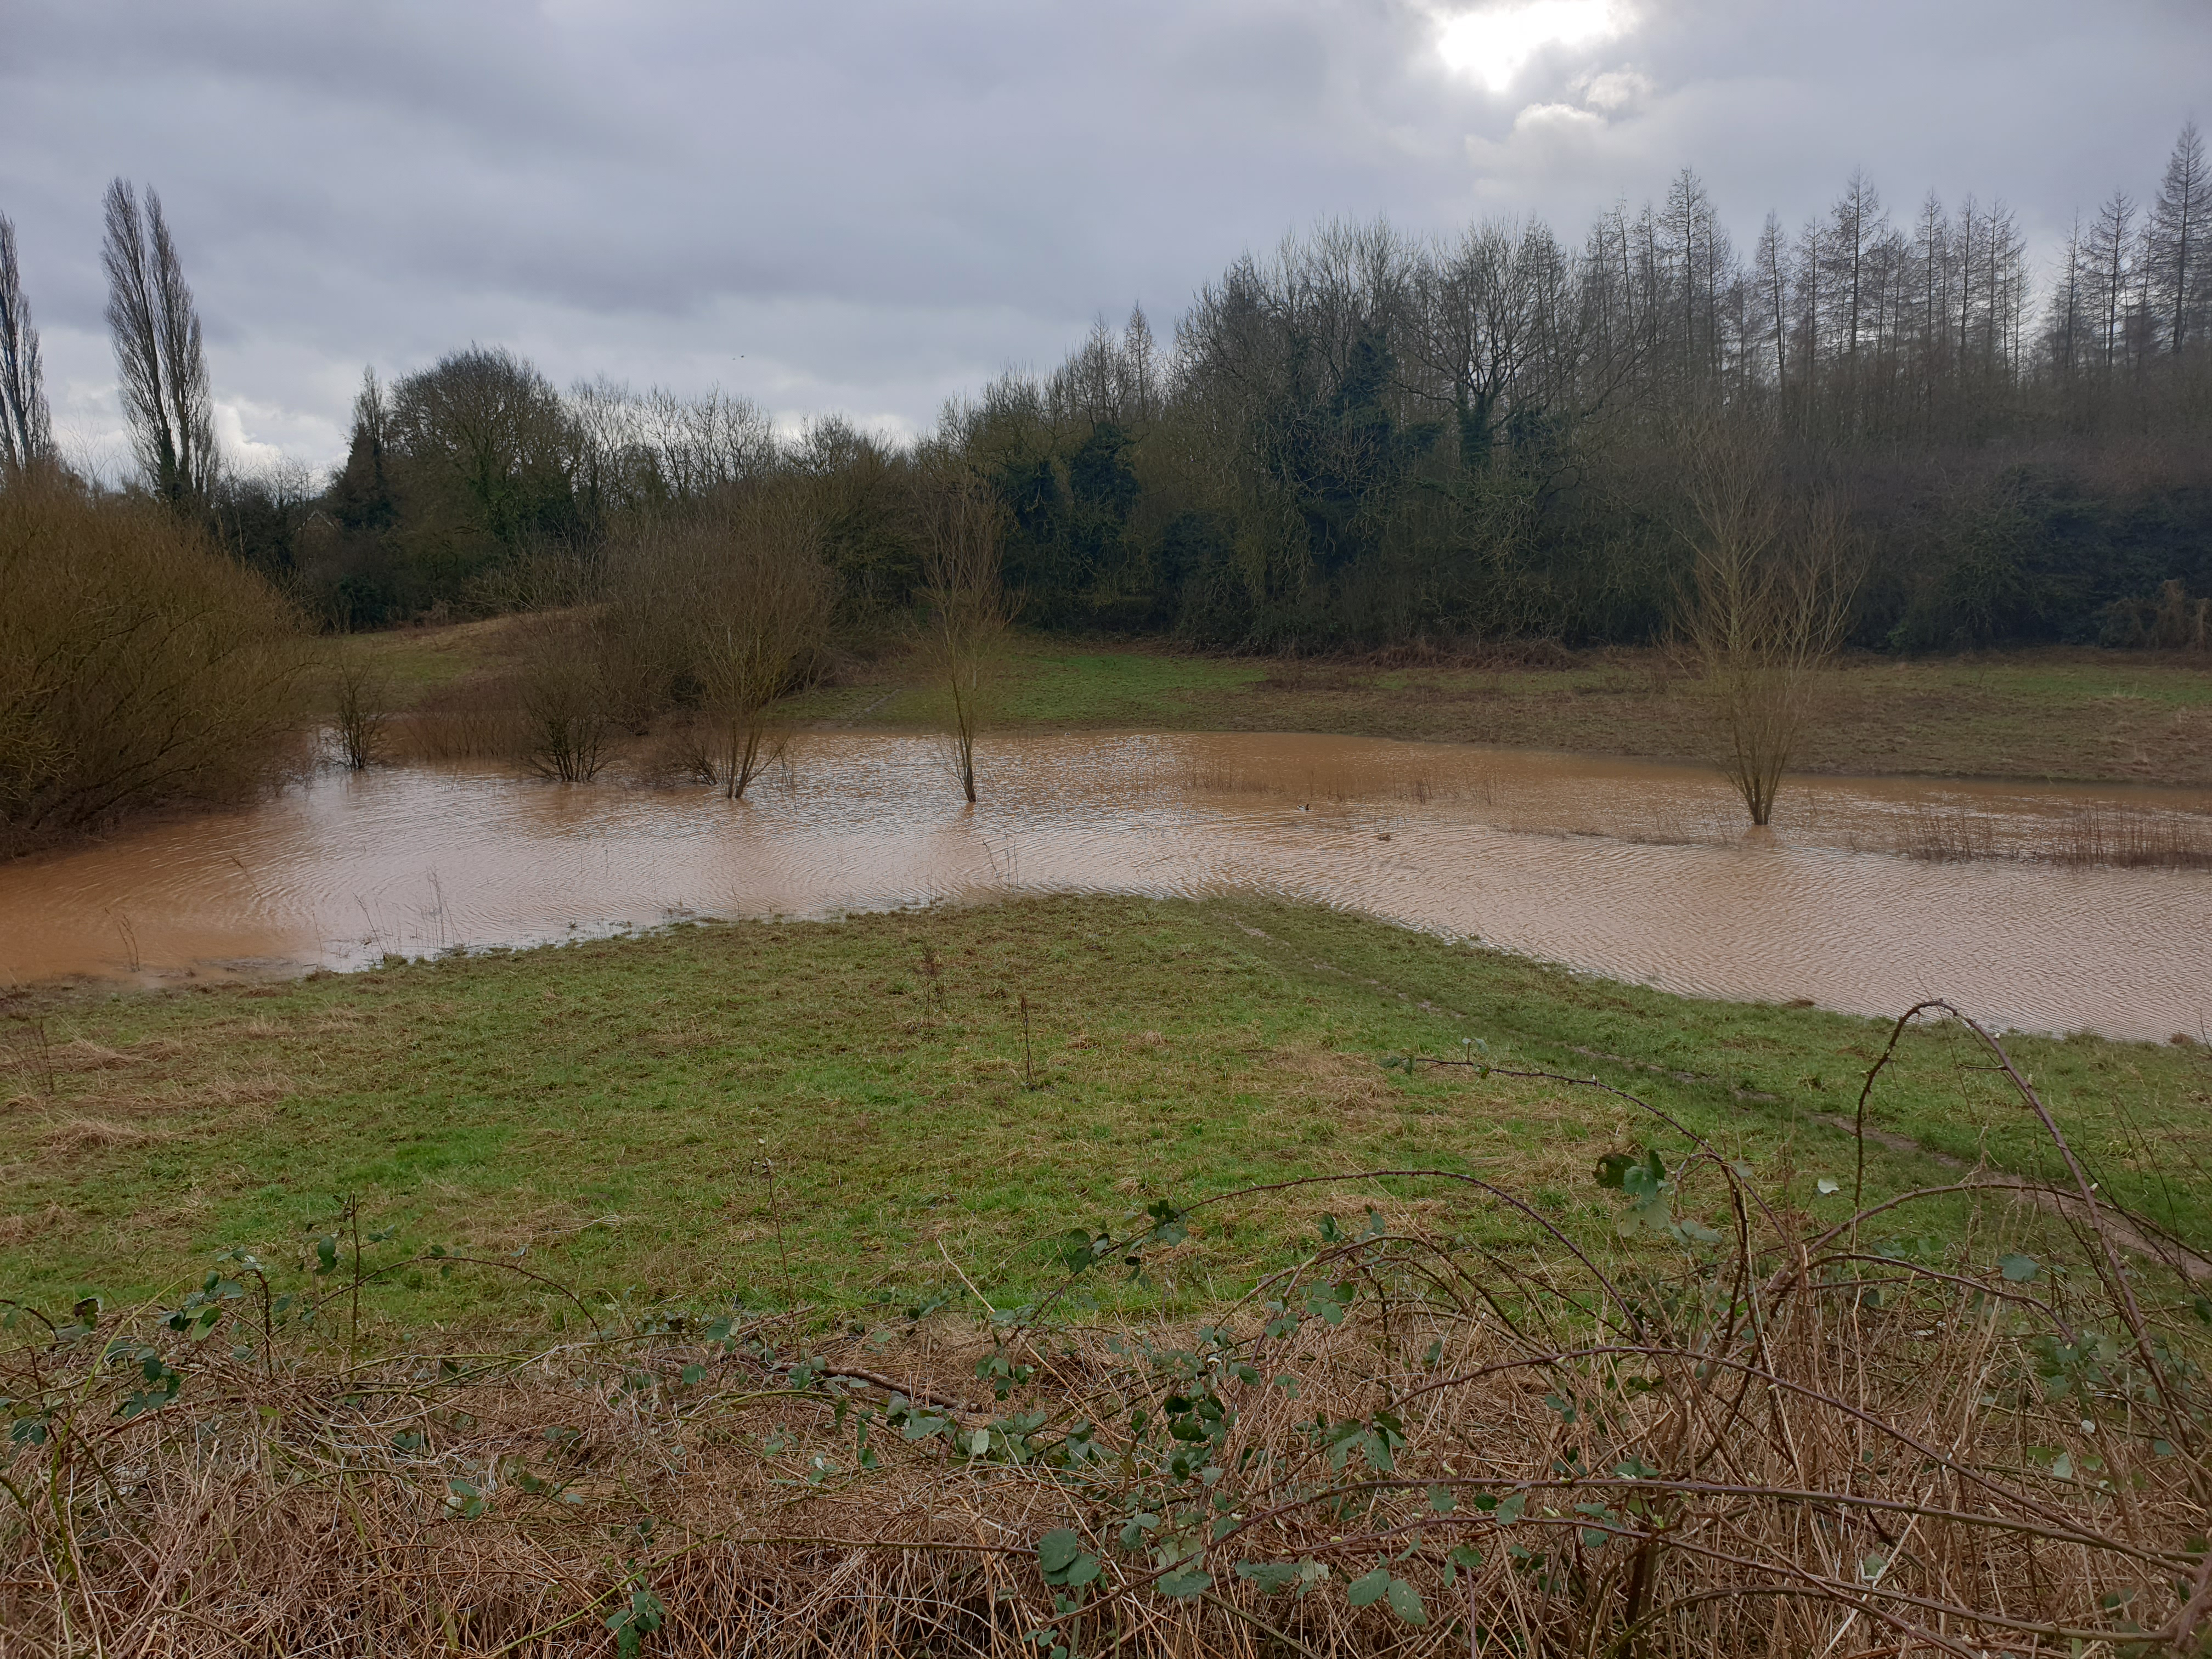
137, 665
566, 719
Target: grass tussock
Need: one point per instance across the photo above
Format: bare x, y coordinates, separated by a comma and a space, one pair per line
2093, 835
138, 665
1718, 1426
1337, 780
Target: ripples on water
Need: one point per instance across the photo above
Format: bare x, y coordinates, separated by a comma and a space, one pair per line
1635, 870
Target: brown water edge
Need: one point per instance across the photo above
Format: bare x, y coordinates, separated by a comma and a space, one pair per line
1636, 871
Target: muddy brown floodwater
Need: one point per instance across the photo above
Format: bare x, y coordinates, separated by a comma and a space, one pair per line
1638, 871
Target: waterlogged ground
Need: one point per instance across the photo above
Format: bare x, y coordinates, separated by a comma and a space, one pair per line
2041, 714
1639, 872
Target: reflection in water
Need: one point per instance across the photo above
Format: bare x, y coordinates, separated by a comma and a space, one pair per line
1638, 871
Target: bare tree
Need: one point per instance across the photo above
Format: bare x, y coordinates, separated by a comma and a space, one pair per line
2176, 237
2111, 239
1768, 602
360, 709
2068, 321
969, 612
763, 609
26, 431
157, 351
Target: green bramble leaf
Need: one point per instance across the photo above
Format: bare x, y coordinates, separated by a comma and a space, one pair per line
1057, 1550
1183, 1582
1369, 1587
641, 1617
1269, 1578
1405, 1602
1328, 1303
1612, 1169
467, 1499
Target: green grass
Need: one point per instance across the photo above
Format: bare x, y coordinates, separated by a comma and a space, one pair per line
763, 1110
416, 662
1044, 683
2094, 716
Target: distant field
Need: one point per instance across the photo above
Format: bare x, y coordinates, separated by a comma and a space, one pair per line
827, 1110
2050, 715
417, 661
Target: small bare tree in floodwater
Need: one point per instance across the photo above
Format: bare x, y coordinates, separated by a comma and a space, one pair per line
968, 611
361, 706
1766, 607
763, 597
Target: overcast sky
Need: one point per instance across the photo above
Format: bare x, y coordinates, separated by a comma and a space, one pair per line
869, 207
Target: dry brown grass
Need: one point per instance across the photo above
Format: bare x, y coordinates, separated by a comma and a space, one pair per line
1336, 779
1451, 1427
80, 1133
475, 720
2094, 834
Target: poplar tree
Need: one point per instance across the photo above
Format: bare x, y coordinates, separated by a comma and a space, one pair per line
156, 331
26, 430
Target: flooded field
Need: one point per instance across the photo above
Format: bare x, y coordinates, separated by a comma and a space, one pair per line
2042, 907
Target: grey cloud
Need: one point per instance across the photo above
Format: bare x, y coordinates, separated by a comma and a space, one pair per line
872, 206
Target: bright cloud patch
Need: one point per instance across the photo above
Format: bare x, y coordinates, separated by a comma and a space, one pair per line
1615, 89
1494, 45
1547, 140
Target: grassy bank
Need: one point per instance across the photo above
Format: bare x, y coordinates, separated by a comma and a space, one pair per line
710, 1374
824, 1110
2081, 716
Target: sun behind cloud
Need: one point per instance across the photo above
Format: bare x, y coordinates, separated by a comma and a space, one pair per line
1494, 45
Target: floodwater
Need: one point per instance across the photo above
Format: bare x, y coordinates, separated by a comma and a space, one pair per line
1638, 871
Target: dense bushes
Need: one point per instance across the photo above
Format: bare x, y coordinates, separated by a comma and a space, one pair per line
137, 665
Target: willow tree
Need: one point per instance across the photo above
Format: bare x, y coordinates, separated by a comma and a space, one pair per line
966, 603
1766, 606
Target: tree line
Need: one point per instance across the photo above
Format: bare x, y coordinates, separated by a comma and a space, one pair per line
1362, 438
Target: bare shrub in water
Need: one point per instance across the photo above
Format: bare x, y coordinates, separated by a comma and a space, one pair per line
722, 604
1767, 605
764, 597
137, 665
360, 709
1719, 1426
967, 608
566, 720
